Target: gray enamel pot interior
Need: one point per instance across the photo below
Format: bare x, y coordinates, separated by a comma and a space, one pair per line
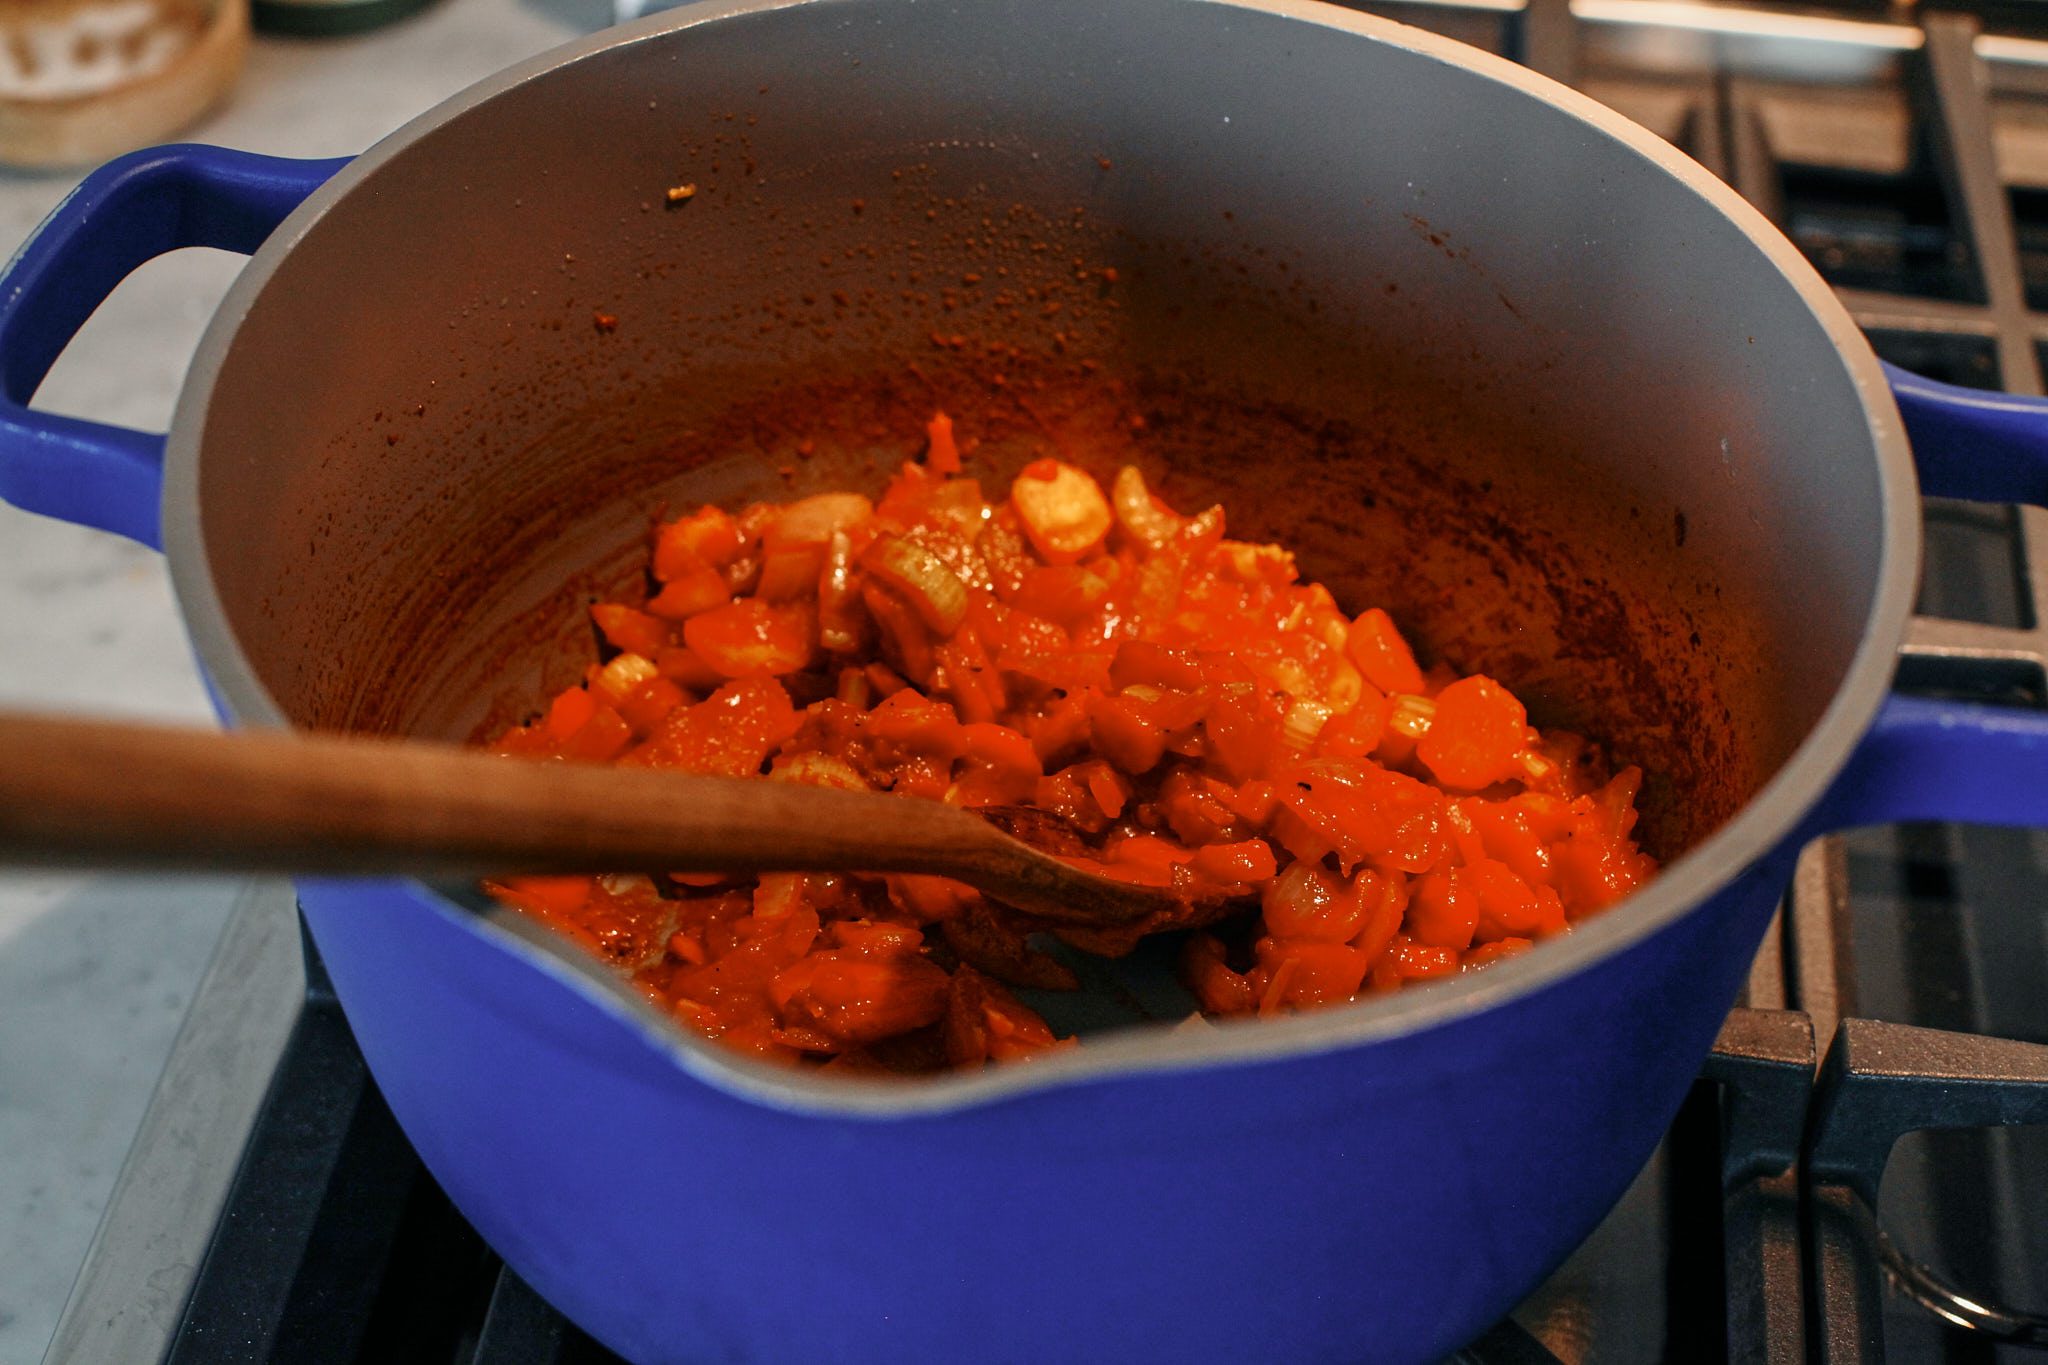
1481, 352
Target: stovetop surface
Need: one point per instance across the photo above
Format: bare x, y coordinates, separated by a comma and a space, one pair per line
1906, 154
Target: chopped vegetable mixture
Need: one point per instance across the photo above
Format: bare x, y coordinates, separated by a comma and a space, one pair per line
1105, 677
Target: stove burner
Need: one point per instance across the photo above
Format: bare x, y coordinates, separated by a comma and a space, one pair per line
1948, 1303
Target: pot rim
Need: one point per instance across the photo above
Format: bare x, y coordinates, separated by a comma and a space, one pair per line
1683, 887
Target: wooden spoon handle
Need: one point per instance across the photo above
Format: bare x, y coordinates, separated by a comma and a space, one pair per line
94, 794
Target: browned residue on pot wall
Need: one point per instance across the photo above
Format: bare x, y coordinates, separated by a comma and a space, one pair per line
500, 469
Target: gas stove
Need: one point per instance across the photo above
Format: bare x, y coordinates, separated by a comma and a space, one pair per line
1853, 1178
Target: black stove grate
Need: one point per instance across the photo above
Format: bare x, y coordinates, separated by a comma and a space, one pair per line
336, 1247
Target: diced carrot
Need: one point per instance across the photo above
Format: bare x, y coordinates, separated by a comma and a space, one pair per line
1509, 835
885, 681
1410, 960
696, 589
1376, 646
603, 736
1063, 593
1123, 734
1357, 732
1218, 989
1386, 899
941, 456
1314, 973
1108, 788
1244, 736
569, 710
747, 637
1508, 906
861, 999
1442, 911
650, 704
1156, 665
1488, 953
1244, 863
1155, 857
556, 895
1307, 902
1478, 731
709, 536
931, 898
1002, 768
731, 733
1464, 834
1254, 802
633, 631
685, 667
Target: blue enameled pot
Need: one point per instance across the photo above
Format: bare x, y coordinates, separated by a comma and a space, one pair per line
1554, 367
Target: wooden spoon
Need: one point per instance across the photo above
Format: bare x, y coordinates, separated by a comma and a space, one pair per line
94, 794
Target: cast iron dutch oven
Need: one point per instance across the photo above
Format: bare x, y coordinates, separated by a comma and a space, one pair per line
1481, 351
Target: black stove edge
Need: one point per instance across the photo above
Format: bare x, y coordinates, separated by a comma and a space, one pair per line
131, 1291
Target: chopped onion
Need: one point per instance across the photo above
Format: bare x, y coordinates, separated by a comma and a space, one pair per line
1299, 895
1410, 714
854, 687
936, 592
842, 621
1142, 516
1205, 525
1063, 510
1304, 721
811, 521
788, 573
624, 676
818, 770
1253, 564
1347, 687
778, 894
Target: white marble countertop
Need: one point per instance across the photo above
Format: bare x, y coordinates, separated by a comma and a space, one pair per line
95, 972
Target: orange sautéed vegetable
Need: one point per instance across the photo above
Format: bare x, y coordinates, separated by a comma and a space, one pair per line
1104, 676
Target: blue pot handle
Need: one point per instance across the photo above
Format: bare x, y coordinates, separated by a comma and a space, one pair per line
1974, 443
1943, 760
1954, 760
126, 212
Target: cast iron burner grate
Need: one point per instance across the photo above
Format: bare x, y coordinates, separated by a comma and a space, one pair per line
335, 1247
